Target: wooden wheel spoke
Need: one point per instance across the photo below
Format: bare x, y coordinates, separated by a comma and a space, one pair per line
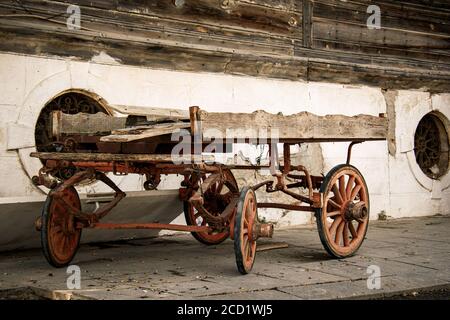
337, 194
57, 222
355, 192
348, 189
351, 227
334, 204
253, 207
245, 221
219, 187
63, 244
333, 214
334, 225
342, 191
212, 189
246, 216
250, 251
245, 243
339, 232
346, 235
57, 229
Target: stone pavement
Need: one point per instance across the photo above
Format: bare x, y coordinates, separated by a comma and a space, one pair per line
411, 253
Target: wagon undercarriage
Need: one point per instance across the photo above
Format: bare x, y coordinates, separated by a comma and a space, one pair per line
214, 206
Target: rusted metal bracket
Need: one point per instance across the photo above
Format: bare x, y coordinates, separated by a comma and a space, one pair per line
77, 178
349, 150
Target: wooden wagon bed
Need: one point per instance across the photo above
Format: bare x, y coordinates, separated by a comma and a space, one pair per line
300, 127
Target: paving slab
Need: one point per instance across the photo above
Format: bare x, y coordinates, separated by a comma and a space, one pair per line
411, 254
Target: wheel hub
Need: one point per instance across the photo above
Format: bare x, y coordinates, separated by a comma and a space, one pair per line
355, 211
260, 230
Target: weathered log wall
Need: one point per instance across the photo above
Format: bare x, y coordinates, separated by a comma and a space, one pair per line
311, 40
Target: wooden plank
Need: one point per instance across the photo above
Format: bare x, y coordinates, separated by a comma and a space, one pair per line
151, 158
143, 132
350, 37
152, 113
393, 15
405, 30
85, 123
302, 126
235, 13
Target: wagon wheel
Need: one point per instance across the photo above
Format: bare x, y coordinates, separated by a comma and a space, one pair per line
59, 236
244, 242
344, 218
216, 199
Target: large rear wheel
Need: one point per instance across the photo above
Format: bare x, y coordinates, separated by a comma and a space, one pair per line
343, 220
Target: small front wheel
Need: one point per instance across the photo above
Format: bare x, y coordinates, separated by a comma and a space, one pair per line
244, 241
60, 236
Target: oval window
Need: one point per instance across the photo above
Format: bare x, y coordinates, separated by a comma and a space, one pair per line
431, 146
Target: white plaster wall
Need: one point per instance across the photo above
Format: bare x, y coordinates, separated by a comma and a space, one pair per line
412, 193
28, 83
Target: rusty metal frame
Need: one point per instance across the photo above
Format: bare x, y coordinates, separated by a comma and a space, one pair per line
306, 180
91, 170
95, 170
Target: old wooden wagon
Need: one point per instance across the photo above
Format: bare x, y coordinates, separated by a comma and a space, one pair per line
88, 147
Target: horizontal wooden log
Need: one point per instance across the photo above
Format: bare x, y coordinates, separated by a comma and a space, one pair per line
85, 123
104, 124
298, 127
101, 157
